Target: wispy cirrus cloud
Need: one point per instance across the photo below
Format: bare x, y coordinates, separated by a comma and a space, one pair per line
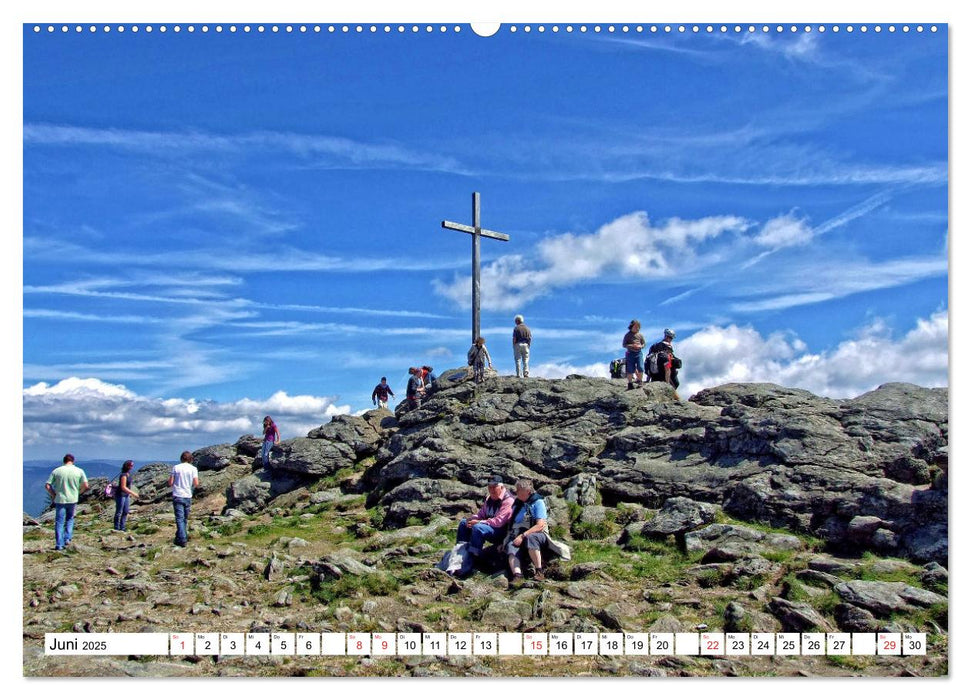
220, 261
310, 150
818, 282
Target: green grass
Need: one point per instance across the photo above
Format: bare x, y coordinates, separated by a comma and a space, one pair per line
350, 586
592, 531
851, 663
921, 618
230, 528
868, 572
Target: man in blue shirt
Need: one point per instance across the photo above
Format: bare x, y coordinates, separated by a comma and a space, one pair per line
528, 530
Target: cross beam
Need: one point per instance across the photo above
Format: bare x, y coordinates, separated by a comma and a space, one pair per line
477, 231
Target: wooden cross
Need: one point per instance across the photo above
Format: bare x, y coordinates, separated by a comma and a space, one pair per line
476, 230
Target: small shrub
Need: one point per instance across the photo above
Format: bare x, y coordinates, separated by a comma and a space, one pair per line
591, 531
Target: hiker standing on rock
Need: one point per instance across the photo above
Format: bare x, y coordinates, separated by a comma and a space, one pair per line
65, 485
663, 366
490, 523
123, 495
522, 338
634, 345
271, 436
184, 478
477, 357
416, 388
379, 397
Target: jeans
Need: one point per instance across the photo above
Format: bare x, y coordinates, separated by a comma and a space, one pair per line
265, 455
635, 362
122, 503
63, 524
181, 506
477, 536
520, 351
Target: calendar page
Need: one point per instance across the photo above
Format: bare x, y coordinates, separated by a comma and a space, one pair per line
386, 349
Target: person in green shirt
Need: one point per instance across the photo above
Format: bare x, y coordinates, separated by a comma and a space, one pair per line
65, 485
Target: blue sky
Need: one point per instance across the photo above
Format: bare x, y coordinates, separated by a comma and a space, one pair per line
217, 226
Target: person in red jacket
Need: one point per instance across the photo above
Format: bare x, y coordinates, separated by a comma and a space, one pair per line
379, 397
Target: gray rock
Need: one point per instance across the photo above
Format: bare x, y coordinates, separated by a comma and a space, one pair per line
582, 490
798, 617
735, 618
425, 498
753, 566
666, 624
284, 598
248, 495
273, 570
677, 516
861, 528
344, 561
593, 515
934, 575
249, 446
214, 457
885, 598
723, 542
818, 577
505, 615
327, 496
850, 618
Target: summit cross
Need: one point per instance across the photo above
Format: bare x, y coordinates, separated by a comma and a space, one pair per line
477, 231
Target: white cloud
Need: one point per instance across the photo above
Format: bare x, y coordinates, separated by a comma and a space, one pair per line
718, 355
783, 232
85, 414
629, 246
559, 370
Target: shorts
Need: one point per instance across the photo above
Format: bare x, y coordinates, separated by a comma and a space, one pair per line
534, 540
635, 361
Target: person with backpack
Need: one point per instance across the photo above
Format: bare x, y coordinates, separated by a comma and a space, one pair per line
634, 345
123, 494
529, 531
662, 365
271, 436
477, 357
379, 397
522, 338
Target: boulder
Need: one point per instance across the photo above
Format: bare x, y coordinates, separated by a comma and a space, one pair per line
884, 598
214, 457
426, 498
582, 490
678, 516
798, 617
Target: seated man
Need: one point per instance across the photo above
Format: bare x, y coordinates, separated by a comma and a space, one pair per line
528, 531
490, 523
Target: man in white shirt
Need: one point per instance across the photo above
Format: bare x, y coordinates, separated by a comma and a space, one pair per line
184, 478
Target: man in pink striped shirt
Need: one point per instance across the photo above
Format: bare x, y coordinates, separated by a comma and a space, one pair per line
490, 523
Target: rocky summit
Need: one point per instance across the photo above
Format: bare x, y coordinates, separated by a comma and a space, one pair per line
748, 507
